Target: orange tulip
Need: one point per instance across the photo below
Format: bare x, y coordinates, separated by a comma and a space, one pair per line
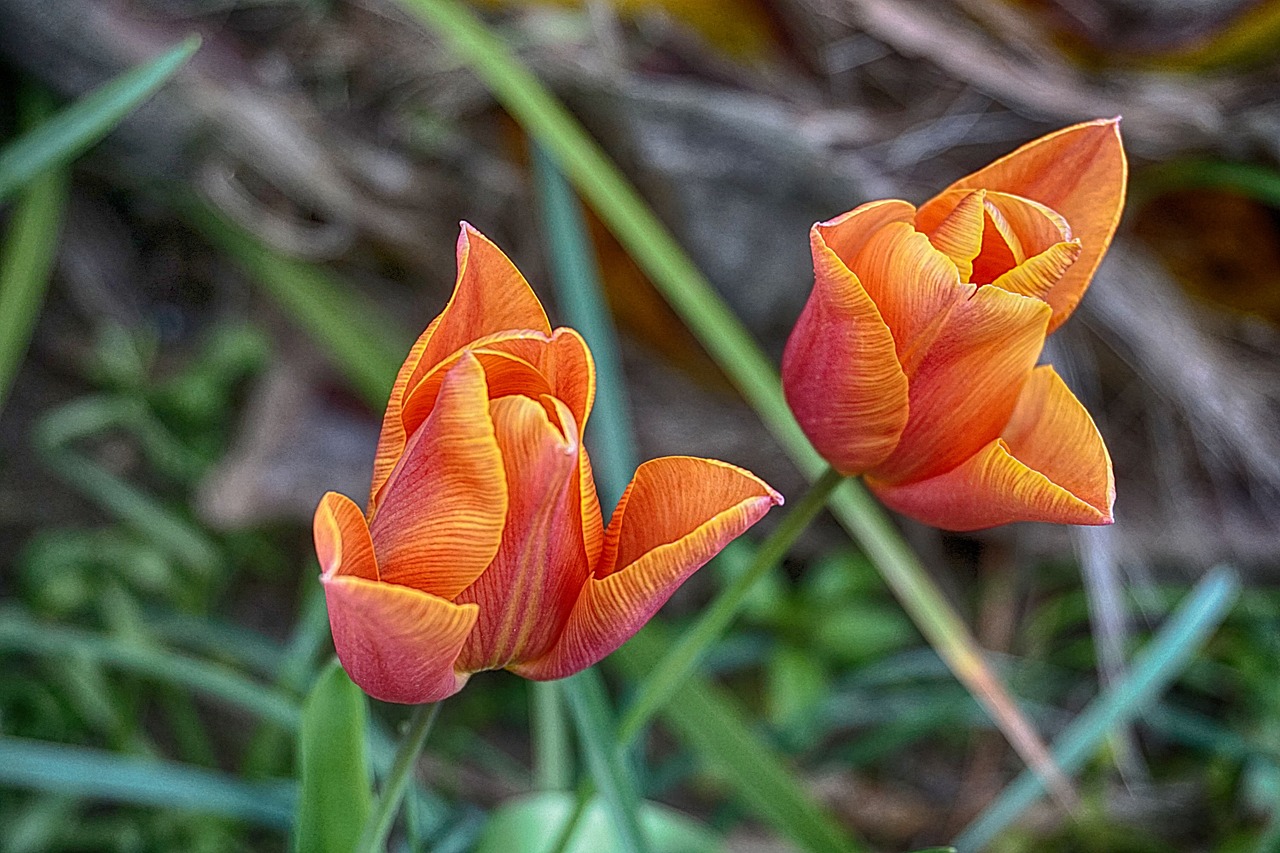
914, 361
484, 546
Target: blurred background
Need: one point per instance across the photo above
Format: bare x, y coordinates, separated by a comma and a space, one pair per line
231, 270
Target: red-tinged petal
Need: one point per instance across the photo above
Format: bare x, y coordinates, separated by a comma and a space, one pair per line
592, 519
1035, 226
676, 515
440, 521
912, 284
1050, 466
504, 373
847, 233
490, 296
565, 361
958, 234
1037, 275
527, 592
393, 436
559, 365
397, 643
840, 370
342, 539
1052, 433
967, 383
1001, 249
1081, 173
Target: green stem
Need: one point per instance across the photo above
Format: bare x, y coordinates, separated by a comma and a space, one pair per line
374, 837
665, 678
553, 770
682, 658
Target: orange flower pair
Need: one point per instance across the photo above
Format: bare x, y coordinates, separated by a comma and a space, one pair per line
914, 361
484, 546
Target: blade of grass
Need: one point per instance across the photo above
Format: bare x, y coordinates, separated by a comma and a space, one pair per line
77, 127
1152, 671
364, 343
81, 772
53, 434
581, 297
669, 673
1260, 183
589, 707
649, 242
377, 826
20, 633
27, 256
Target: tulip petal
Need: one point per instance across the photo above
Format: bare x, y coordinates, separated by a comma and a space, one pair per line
1035, 227
958, 235
440, 520
565, 360
559, 364
966, 384
397, 643
1051, 465
527, 592
592, 520
676, 515
840, 369
1051, 432
847, 233
490, 296
912, 284
1081, 173
504, 374
342, 539
392, 438
1037, 275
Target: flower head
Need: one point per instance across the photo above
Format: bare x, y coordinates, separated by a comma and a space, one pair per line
484, 545
914, 361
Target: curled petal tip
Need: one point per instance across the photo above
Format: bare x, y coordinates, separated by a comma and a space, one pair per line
678, 512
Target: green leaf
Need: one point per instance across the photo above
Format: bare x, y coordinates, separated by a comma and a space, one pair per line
74, 129
26, 260
713, 725
81, 772
1152, 670
524, 826
336, 784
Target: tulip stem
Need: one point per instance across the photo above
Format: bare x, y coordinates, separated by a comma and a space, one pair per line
378, 826
684, 656
552, 764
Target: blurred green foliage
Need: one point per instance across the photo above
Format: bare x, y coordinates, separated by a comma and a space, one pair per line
127, 654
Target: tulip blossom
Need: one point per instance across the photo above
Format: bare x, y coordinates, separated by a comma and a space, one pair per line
914, 360
484, 546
